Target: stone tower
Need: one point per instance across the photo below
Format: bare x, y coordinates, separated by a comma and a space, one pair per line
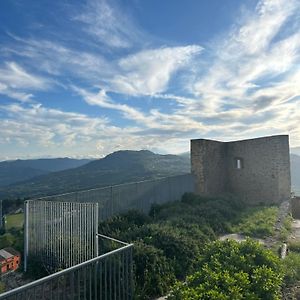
257, 170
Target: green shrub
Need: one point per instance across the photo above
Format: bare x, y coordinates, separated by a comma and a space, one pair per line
291, 265
256, 222
7, 240
232, 270
153, 272
176, 244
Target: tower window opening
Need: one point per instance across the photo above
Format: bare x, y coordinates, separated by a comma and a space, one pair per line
238, 163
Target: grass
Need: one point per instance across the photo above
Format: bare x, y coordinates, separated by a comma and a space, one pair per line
257, 222
14, 221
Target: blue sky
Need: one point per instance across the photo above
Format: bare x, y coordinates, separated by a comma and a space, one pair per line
85, 78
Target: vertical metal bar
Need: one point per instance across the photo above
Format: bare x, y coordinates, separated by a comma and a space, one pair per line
110, 278
84, 282
26, 235
90, 281
115, 277
131, 289
105, 278
123, 274
95, 280
119, 274
72, 278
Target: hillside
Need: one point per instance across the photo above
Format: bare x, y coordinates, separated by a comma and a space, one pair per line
20, 170
295, 173
118, 167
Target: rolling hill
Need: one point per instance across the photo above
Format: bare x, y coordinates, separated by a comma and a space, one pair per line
118, 167
19, 170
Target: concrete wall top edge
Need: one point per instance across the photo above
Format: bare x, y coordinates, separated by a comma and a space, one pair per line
245, 140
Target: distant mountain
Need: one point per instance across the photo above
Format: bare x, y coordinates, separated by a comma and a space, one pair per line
295, 173
20, 170
118, 167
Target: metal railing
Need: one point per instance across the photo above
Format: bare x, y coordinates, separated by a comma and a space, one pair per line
116, 199
106, 277
60, 234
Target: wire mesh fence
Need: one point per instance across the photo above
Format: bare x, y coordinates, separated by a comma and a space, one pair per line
60, 234
140, 196
106, 277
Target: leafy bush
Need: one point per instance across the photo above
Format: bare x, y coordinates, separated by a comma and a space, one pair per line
121, 226
291, 265
153, 273
217, 213
7, 240
232, 270
176, 244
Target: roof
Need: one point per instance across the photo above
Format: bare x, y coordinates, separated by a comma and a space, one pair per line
12, 251
5, 255
8, 252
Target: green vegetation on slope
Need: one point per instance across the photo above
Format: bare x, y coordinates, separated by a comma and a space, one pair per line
257, 222
116, 168
170, 240
14, 221
20, 170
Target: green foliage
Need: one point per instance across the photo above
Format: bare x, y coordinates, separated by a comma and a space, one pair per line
7, 240
256, 222
14, 221
13, 238
294, 247
176, 244
122, 226
232, 270
291, 265
216, 213
153, 272
177, 231
2, 287
35, 270
286, 228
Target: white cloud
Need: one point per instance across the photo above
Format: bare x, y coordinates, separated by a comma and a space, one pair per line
148, 72
15, 81
248, 87
108, 24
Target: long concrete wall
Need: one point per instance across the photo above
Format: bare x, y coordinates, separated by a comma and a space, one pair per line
263, 176
113, 200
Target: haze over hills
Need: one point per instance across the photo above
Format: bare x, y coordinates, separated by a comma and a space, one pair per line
19, 170
118, 167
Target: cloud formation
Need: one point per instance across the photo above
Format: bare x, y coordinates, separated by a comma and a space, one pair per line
241, 84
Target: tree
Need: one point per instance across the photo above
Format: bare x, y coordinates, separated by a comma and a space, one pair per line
231, 270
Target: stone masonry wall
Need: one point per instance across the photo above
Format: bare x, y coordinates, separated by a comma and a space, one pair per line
209, 172
264, 174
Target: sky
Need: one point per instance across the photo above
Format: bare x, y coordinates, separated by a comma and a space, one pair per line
84, 78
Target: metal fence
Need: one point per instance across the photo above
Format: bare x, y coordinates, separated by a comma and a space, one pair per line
60, 234
1, 214
106, 277
140, 196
